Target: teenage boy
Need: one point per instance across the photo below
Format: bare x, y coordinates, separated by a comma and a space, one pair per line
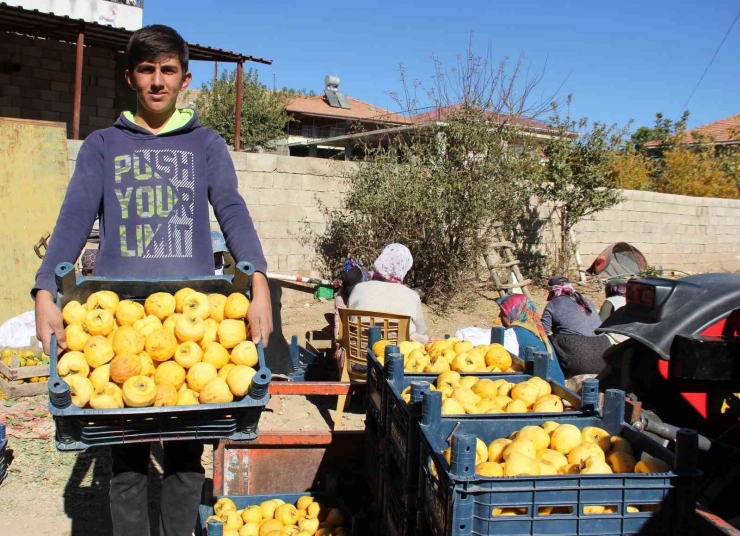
149, 179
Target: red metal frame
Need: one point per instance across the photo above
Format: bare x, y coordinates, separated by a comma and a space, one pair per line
316, 388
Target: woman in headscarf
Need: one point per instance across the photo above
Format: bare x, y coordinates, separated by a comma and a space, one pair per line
353, 273
386, 293
572, 319
616, 292
519, 313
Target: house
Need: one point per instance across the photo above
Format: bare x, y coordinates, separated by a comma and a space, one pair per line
62, 61
332, 116
722, 133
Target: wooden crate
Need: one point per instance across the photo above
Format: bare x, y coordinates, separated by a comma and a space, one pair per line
23, 373
12, 389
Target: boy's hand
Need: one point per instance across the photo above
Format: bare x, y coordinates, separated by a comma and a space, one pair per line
49, 322
259, 314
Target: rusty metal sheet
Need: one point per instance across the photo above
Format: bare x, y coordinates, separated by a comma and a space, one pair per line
316, 388
287, 462
34, 174
712, 525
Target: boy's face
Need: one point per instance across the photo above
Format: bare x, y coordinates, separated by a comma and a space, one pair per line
157, 84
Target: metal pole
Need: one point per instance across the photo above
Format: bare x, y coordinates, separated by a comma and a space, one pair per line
238, 111
78, 85
215, 73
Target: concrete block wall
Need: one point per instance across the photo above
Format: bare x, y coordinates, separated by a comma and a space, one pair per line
37, 82
675, 232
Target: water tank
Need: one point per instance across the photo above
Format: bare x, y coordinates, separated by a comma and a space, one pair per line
331, 81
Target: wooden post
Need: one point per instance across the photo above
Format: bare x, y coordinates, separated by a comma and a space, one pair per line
78, 85
238, 111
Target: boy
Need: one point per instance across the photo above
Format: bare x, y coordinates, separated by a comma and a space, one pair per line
149, 179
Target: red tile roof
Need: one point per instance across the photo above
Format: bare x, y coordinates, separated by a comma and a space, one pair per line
444, 113
359, 110
722, 131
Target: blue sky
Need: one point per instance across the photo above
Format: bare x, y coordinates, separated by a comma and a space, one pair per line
620, 60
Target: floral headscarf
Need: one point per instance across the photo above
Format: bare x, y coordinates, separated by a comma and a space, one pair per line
521, 311
393, 263
561, 286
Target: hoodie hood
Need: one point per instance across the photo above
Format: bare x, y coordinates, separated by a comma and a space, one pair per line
182, 121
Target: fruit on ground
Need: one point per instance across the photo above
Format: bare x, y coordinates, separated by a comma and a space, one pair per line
73, 364
200, 374
215, 391
128, 312
231, 332
127, 340
161, 345
188, 353
77, 336
189, 328
81, 389
166, 395
216, 355
170, 373
239, 379
124, 366
139, 391
160, 304
236, 306
245, 353
98, 351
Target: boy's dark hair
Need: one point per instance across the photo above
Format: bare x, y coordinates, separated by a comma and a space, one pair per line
155, 43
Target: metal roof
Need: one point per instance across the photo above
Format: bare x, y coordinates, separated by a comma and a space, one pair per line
38, 24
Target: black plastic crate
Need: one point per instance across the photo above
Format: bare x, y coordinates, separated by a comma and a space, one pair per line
399, 503
3, 453
456, 501
78, 429
374, 459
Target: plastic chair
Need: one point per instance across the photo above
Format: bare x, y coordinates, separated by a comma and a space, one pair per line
354, 325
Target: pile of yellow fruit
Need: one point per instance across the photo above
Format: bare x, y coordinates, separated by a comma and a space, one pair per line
179, 350
451, 355
469, 394
559, 449
276, 518
26, 358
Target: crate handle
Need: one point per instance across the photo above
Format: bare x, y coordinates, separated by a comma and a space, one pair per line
242, 277
59, 393
261, 380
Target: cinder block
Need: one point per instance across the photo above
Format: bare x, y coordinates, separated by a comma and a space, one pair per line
261, 162
300, 198
103, 102
250, 180
291, 164
287, 181
273, 197
239, 159
282, 246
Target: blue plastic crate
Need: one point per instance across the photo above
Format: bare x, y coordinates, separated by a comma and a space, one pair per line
456, 501
304, 362
242, 501
3, 449
399, 514
78, 429
402, 429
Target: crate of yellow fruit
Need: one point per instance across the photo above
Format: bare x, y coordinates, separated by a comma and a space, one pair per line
479, 397
565, 475
155, 359
300, 514
23, 370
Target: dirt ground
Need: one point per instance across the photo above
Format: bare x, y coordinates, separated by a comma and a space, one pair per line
51, 493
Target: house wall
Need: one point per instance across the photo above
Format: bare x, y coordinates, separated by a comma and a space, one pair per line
37, 82
675, 232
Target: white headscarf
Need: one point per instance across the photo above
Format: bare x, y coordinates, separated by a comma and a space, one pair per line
394, 263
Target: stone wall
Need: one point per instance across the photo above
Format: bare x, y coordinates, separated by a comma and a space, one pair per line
37, 82
675, 232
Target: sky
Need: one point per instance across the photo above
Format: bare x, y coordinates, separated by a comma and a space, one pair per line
621, 61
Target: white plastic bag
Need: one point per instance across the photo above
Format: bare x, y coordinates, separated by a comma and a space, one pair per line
483, 336
18, 331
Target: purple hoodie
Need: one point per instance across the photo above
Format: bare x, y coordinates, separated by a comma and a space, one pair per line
151, 193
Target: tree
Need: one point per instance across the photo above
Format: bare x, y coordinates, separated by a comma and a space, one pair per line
440, 190
664, 130
263, 111
576, 178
